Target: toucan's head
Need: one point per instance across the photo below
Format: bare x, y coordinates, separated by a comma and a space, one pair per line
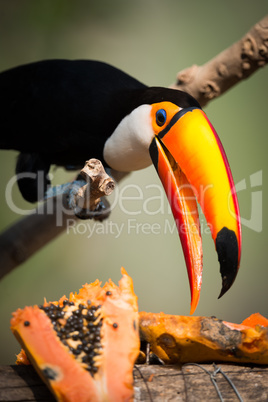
169, 129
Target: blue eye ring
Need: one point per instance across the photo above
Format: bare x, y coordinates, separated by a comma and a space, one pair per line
160, 117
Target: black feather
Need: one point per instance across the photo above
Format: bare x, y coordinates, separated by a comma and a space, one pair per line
62, 112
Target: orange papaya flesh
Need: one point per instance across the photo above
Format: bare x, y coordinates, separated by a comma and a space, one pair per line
84, 347
255, 319
22, 358
182, 339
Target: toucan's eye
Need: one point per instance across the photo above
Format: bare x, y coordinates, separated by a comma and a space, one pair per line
161, 117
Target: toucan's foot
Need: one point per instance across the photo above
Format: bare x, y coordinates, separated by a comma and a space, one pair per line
103, 210
99, 214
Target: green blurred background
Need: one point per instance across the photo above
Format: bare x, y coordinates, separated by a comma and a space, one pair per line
151, 40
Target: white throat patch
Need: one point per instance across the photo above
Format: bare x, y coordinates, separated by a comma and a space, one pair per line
127, 149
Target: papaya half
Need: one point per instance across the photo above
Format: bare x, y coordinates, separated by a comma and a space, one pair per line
181, 339
84, 347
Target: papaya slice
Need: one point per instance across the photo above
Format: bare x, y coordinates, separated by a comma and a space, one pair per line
255, 319
182, 339
84, 347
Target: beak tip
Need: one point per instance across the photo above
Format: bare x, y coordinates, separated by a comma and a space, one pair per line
193, 308
195, 299
227, 249
226, 284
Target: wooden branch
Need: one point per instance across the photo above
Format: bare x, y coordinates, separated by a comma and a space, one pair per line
232, 65
78, 199
157, 383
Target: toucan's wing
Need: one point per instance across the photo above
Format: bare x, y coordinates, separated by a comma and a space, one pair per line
55, 105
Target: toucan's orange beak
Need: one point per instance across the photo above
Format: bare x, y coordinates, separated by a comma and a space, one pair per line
192, 164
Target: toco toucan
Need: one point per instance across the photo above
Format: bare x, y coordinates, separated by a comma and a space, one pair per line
64, 112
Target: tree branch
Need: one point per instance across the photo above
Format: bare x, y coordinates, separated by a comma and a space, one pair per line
77, 199
232, 65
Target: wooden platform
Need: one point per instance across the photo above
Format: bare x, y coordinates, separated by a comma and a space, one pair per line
156, 383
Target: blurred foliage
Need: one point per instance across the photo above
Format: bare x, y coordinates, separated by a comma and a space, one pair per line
151, 40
